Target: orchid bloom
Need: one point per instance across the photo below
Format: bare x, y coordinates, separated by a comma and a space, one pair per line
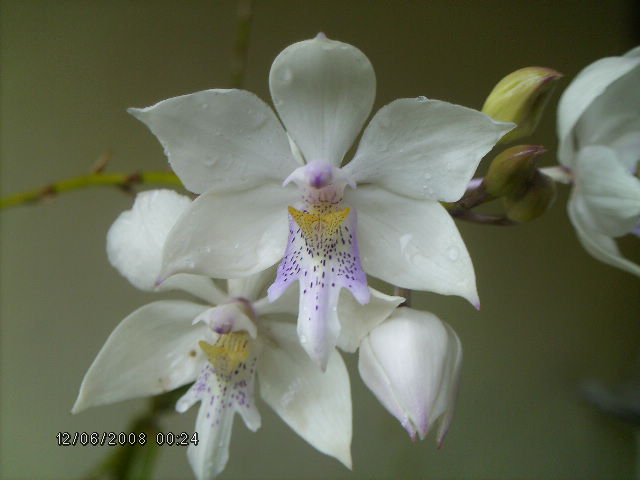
222, 344
599, 133
412, 362
261, 183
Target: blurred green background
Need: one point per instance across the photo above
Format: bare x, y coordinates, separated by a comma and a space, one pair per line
551, 315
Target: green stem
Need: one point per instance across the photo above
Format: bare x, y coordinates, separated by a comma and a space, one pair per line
475, 195
124, 181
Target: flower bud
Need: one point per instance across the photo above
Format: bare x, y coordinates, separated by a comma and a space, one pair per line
511, 171
534, 202
411, 362
520, 97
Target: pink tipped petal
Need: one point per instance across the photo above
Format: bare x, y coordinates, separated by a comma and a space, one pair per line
220, 139
230, 235
153, 350
424, 148
412, 243
323, 91
316, 405
411, 363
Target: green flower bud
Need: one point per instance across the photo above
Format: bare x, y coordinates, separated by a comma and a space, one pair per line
534, 202
520, 97
511, 171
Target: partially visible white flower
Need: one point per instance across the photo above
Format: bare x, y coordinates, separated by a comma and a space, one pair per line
230, 146
412, 362
599, 134
167, 344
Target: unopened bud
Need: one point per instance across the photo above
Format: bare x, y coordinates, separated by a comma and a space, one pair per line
512, 171
520, 97
534, 202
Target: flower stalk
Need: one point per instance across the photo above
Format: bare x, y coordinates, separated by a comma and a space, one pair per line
123, 181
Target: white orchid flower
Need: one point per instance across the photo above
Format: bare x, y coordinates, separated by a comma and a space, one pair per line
167, 344
412, 362
229, 146
599, 134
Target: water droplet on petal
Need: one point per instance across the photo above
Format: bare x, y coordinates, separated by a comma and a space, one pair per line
452, 253
286, 76
237, 245
421, 98
204, 106
427, 176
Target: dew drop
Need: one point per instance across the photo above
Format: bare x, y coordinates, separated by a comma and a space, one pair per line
204, 106
421, 99
287, 76
427, 176
452, 253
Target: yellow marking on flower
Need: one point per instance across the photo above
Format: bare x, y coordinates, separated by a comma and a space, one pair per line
321, 223
228, 352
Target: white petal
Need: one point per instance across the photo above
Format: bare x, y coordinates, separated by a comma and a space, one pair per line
412, 243
323, 91
221, 395
601, 246
609, 194
251, 287
448, 393
590, 83
358, 320
153, 350
613, 114
316, 405
222, 139
136, 238
201, 287
210, 456
406, 361
230, 235
424, 148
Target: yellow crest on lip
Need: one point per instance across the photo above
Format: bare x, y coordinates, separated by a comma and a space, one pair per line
321, 223
228, 352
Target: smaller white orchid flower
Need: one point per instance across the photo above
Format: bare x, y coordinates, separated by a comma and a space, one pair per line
412, 362
599, 134
271, 193
167, 344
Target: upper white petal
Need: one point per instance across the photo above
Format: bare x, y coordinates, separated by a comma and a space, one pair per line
406, 361
592, 82
136, 238
412, 243
424, 148
323, 91
609, 195
222, 139
316, 405
153, 350
358, 320
601, 246
229, 235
